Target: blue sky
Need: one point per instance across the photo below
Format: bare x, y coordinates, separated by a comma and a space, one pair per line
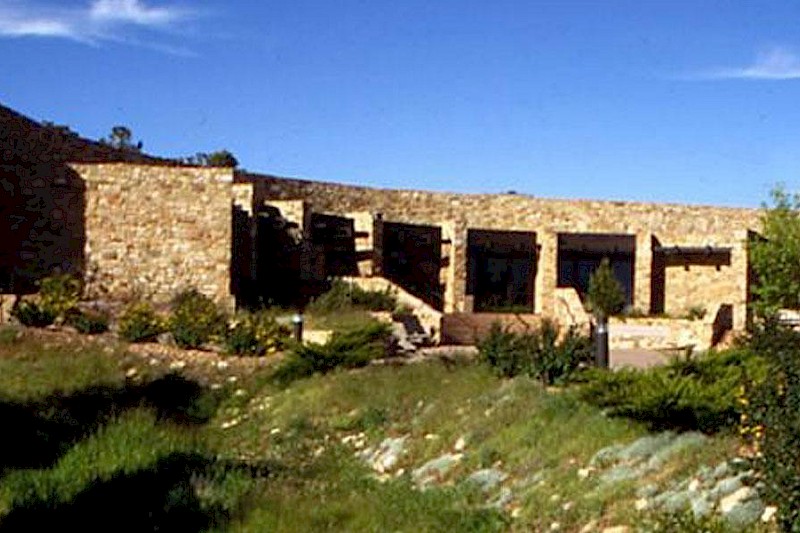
678, 101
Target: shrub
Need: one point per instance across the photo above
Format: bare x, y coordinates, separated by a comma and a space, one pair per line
256, 334
696, 312
344, 295
605, 295
772, 411
59, 294
349, 349
542, 353
140, 323
33, 314
698, 394
88, 322
504, 352
195, 319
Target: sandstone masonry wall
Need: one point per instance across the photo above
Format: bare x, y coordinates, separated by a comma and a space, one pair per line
670, 224
155, 230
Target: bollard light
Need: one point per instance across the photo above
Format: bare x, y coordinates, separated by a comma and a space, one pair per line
297, 322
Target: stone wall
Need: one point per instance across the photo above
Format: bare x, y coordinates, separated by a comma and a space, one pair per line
154, 230
669, 224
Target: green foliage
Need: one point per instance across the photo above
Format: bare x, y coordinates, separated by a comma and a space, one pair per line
140, 323
348, 349
59, 294
256, 334
195, 319
605, 295
220, 158
696, 312
773, 409
121, 138
344, 295
774, 258
701, 393
32, 314
541, 353
88, 322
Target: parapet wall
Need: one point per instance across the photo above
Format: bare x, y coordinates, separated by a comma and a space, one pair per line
155, 230
672, 223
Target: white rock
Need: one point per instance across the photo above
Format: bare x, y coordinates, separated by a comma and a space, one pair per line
275, 431
177, 365
641, 504
230, 423
769, 513
730, 501
555, 526
567, 506
694, 485
616, 529
460, 444
590, 527
131, 372
222, 365
431, 436
583, 473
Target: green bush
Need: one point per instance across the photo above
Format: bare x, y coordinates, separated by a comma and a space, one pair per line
605, 296
87, 322
542, 353
59, 294
698, 394
773, 411
256, 334
140, 323
349, 349
344, 295
32, 314
195, 319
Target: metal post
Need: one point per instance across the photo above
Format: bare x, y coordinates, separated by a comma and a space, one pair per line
297, 322
601, 343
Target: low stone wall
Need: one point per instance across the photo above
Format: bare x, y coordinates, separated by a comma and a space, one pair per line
660, 334
469, 328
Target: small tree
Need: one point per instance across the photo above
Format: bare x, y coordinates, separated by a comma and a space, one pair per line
605, 298
776, 257
220, 158
121, 138
605, 295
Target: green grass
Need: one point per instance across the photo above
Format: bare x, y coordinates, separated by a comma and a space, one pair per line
339, 320
271, 458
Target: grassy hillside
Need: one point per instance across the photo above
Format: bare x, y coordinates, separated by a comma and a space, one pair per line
100, 437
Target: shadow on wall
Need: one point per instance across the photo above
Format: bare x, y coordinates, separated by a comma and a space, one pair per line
42, 224
273, 262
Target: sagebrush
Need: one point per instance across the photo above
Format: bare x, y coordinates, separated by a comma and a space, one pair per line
543, 352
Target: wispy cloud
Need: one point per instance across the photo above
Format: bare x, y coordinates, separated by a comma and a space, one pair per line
94, 22
774, 64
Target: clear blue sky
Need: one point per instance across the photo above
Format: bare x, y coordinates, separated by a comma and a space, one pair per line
681, 101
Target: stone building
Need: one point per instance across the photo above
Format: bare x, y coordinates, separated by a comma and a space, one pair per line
135, 224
